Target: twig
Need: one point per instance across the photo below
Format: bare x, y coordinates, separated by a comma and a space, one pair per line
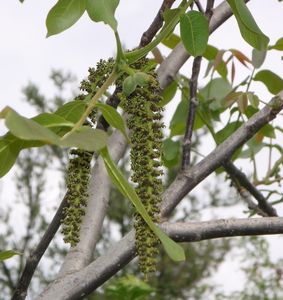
246, 196
7, 272
273, 170
187, 141
109, 81
199, 6
157, 23
244, 181
268, 182
113, 101
35, 256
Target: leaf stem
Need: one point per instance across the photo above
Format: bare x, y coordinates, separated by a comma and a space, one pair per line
113, 76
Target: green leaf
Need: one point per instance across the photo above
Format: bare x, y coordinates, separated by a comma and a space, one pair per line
63, 15
9, 151
210, 54
194, 32
268, 131
258, 58
254, 146
129, 285
8, 254
174, 251
171, 41
247, 25
113, 118
170, 149
278, 45
10, 147
224, 133
141, 78
129, 85
169, 15
272, 81
43, 129
216, 89
168, 93
253, 99
71, 111
37, 129
178, 121
85, 138
242, 102
27, 129
103, 11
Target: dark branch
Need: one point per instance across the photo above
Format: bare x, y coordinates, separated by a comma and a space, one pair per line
35, 256
187, 141
199, 6
7, 273
244, 181
156, 24
113, 101
209, 8
193, 102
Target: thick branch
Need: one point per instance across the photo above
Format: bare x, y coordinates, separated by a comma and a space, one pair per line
75, 286
199, 231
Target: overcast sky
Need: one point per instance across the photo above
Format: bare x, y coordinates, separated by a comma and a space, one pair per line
26, 55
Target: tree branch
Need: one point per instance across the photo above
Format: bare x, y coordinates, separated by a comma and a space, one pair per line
244, 181
199, 231
35, 256
193, 102
156, 24
79, 284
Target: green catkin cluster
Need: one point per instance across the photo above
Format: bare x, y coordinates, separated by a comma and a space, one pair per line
77, 194
78, 172
145, 124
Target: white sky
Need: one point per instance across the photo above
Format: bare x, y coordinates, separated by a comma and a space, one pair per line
26, 55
